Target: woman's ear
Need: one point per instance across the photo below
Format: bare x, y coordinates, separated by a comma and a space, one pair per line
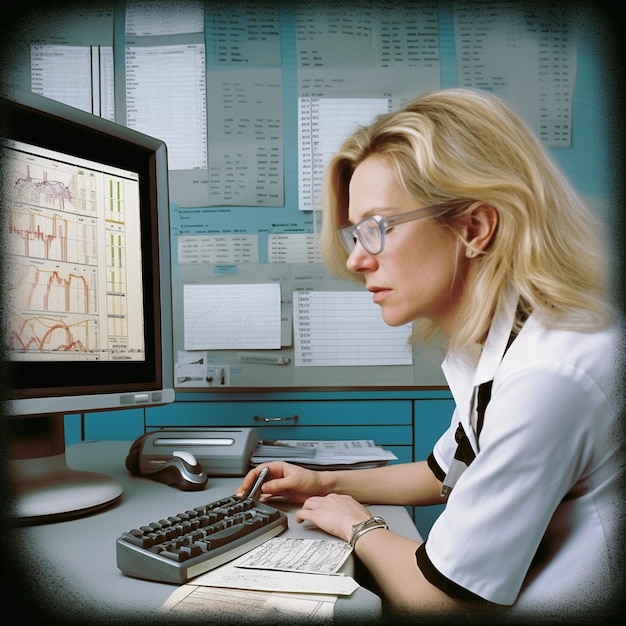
480, 227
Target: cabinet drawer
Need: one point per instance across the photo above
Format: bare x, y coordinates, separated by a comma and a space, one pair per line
380, 435
261, 414
387, 423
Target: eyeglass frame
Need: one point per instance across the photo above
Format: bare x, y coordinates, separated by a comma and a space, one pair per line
350, 234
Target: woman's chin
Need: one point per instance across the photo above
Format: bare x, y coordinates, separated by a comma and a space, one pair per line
394, 320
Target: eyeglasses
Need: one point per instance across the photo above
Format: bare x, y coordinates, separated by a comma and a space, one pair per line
370, 232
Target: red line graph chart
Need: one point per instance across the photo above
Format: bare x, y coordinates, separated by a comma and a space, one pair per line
53, 334
74, 286
54, 290
53, 310
52, 235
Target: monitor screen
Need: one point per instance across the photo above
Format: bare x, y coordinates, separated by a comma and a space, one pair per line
86, 275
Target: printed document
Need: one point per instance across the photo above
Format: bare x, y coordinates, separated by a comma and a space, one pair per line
234, 605
275, 579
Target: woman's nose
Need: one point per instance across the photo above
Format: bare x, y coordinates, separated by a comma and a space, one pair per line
360, 259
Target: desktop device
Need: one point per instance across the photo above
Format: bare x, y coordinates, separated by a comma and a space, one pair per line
220, 451
86, 316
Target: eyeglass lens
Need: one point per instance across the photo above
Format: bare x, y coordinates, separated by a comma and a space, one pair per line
369, 234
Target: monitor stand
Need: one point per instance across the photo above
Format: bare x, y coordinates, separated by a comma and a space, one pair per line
45, 489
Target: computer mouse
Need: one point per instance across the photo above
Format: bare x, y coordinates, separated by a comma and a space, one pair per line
181, 470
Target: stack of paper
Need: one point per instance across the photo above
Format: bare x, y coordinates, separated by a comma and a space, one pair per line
327, 454
286, 577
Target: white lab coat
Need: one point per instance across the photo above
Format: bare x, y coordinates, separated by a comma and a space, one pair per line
532, 522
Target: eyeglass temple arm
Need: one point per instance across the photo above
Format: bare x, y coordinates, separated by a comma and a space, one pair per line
434, 210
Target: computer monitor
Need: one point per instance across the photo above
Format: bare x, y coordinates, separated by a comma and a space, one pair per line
86, 290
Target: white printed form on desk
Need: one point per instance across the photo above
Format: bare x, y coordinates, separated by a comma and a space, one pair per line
288, 565
329, 454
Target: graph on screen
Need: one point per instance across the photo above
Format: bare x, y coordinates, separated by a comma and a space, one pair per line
74, 291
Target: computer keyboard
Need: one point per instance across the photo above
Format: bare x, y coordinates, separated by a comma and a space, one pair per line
178, 548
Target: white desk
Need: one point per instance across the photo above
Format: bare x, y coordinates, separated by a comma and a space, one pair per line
74, 564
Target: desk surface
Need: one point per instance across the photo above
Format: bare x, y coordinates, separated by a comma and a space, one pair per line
75, 560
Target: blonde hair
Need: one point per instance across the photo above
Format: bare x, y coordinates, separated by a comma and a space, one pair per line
459, 143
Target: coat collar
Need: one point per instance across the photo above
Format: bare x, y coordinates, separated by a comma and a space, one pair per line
497, 339
464, 374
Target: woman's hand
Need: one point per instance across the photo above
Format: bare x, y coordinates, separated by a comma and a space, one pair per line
288, 481
336, 514
333, 513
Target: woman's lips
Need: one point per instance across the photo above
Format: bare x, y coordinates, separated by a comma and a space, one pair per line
379, 294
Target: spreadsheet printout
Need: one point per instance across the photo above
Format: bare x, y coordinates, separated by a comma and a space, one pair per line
345, 328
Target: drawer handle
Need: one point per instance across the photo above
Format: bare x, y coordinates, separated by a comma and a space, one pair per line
258, 418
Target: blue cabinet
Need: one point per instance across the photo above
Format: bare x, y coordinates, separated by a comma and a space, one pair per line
431, 417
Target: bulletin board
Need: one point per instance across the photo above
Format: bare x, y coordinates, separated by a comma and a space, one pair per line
252, 98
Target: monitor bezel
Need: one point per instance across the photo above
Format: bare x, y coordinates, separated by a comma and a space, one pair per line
98, 385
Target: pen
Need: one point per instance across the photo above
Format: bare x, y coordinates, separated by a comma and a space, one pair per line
258, 483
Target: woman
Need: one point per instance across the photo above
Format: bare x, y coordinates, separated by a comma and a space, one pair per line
453, 216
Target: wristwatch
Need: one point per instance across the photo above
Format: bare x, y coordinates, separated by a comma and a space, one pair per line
358, 530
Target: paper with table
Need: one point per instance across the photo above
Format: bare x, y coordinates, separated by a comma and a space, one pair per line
327, 454
236, 605
298, 577
287, 564
297, 554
